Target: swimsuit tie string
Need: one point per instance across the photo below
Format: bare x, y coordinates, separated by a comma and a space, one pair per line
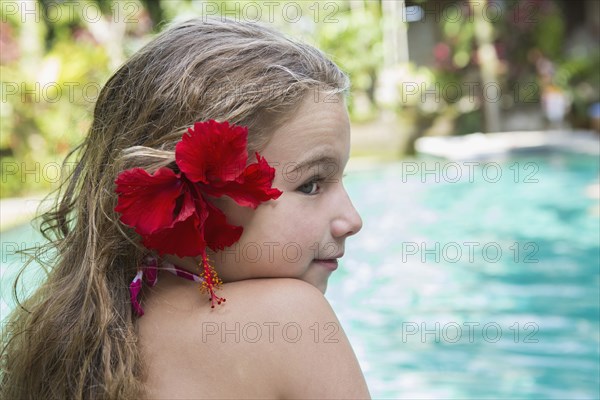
148, 273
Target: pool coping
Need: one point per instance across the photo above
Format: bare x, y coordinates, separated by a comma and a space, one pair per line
16, 211
481, 146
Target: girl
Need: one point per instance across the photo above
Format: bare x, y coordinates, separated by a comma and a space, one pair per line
215, 154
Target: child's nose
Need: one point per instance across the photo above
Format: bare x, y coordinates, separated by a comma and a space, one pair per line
348, 222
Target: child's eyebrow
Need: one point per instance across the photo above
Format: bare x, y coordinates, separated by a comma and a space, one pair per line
314, 159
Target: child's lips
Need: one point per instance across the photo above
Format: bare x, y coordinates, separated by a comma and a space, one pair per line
331, 264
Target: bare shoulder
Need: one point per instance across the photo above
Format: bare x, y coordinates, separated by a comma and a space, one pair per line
302, 340
279, 294
269, 339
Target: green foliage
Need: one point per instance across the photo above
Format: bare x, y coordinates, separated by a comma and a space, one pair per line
580, 79
52, 84
549, 35
48, 97
529, 40
52, 70
354, 42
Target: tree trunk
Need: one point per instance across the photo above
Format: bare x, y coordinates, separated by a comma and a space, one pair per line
488, 66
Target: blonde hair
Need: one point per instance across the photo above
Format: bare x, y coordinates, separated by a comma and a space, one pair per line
75, 337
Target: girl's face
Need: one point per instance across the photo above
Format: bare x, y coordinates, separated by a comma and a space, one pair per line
301, 234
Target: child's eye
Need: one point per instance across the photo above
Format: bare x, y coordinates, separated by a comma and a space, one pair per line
311, 187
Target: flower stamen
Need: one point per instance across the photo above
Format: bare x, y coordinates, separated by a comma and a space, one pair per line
211, 281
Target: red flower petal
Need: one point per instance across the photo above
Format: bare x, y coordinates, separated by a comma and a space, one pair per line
168, 209
251, 188
183, 239
218, 233
212, 152
148, 202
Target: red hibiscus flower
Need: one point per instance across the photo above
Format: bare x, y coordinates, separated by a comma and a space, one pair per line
168, 209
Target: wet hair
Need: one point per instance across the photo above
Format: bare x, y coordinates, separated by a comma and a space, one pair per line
75, 337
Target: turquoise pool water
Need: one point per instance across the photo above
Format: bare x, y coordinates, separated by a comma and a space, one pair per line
485, 285
519, 319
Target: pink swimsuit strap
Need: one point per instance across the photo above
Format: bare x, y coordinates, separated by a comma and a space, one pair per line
148, 273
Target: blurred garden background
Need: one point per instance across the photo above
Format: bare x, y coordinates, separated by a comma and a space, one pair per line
418, 68
476, 124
